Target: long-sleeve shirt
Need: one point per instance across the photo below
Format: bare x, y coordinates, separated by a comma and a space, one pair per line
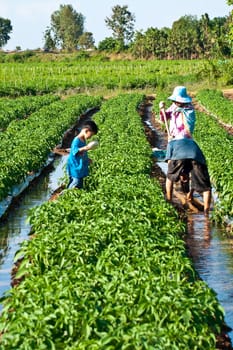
182, 120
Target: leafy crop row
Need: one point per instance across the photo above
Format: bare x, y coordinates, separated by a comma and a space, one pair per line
217, 146
215, 102
32, 78
107, 268
27, 143
21, 107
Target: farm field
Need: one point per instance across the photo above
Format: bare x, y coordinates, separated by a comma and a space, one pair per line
107, 267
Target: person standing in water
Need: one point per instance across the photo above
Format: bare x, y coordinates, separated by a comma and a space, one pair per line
183, 154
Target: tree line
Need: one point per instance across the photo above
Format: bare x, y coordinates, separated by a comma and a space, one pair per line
188, 38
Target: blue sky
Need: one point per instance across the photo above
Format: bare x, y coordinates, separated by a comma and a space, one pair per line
30, 18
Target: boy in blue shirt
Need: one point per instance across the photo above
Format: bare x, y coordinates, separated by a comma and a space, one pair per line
78, 162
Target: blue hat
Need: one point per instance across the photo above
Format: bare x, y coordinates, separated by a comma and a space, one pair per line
180, 95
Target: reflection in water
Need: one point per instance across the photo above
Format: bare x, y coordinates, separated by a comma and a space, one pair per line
212, 254
15, 228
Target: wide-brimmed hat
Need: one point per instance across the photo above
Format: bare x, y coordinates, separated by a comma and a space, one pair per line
180, 95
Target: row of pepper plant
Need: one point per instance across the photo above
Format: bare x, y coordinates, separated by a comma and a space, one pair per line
22, 107
218, 105
46, 77
27, 143
107, 267
217, 146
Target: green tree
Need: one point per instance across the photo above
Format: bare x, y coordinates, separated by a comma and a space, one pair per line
163, 42
183, 39
156, 42
220, 37
109, 44
205, 35
49, 42
121, 23
138, 47
230, 2
152, 43
67, 26
86, 41
5, 30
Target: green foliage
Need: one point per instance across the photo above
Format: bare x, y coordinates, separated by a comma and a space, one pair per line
107, 268
49, 41
217, 145
217, 72
27, 143
82, 55
2, 57
215, 103
22, 107
44, 77
189, 38
109, 45
121, 23
19, 57
5, 30
183, 38
86, 41
67, 26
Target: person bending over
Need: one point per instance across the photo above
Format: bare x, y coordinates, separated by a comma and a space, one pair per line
183, 155
78, 161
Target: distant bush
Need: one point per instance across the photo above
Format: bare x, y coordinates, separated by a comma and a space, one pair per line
19, 56
2, 57
82, 55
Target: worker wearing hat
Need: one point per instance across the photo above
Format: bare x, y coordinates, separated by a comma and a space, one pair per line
183, 155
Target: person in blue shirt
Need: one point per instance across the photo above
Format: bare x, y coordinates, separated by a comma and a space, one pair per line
185, 157
78, 161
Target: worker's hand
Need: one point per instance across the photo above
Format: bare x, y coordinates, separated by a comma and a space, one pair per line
161, 104
169, 138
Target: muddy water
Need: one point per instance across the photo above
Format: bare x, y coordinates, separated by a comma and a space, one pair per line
212, 253
15, 228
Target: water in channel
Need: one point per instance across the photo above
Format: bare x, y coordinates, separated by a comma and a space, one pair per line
210, 248
212, 253
16, 228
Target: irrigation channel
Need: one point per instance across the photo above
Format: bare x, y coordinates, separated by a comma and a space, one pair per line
209, 246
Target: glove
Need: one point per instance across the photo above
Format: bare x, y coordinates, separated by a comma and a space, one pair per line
161, 104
